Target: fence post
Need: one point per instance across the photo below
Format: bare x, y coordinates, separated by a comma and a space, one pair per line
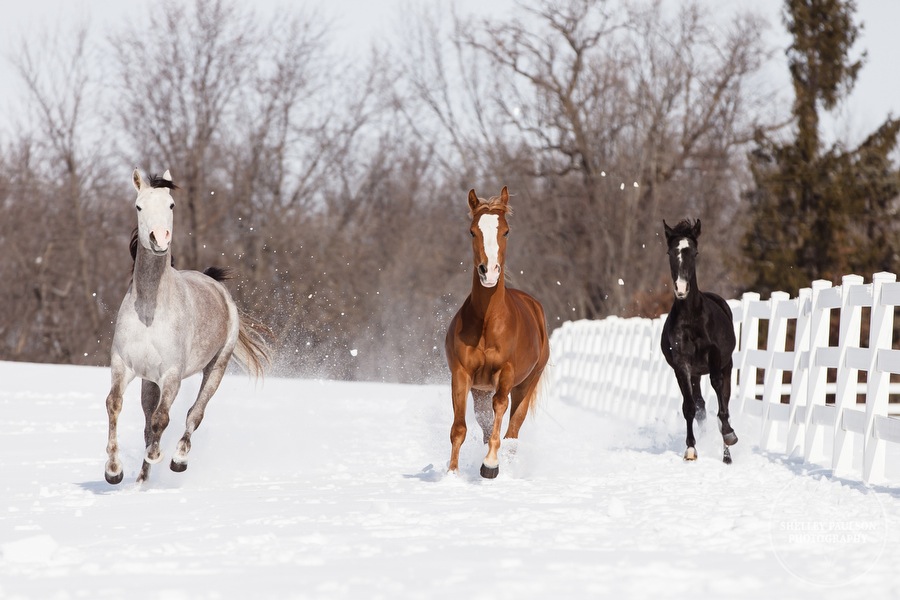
819, 328
847, 376
749, 342
799, 375
881, 330
773, 376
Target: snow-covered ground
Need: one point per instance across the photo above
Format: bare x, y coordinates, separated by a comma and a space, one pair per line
312, 489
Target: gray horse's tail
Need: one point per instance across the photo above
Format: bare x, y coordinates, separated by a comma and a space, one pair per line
251, 350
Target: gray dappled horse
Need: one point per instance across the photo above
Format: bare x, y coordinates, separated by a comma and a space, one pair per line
171, 325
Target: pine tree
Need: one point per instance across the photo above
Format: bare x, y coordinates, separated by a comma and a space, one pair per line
819, 214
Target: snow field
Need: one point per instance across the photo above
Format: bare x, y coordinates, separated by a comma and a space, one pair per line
314, 489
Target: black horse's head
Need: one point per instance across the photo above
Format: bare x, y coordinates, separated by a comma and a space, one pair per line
682, 242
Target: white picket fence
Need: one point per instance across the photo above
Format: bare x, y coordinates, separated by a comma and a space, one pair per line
616, 365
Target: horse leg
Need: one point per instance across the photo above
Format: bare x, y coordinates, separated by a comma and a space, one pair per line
459, 385
483, 413
490, 467
159, 420
521, 398
721, 382
699, 402
121, 377
150, 394
688, 409
212, 377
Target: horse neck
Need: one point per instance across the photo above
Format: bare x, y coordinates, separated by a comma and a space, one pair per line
485, 298
150, 273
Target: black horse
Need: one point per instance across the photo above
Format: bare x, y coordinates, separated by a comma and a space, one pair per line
698, 337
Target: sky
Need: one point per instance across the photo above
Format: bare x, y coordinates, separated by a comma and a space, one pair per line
875, 96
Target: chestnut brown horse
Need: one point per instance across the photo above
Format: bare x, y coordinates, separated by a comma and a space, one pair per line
497, 342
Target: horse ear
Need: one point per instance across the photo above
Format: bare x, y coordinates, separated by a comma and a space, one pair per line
473, 200
137, 180
167, 176
669, 231
696, 229
504, 196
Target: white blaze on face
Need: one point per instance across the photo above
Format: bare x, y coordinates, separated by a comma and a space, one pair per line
681, 284
489, 225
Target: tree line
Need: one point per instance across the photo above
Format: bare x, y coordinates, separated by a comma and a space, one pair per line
336, 186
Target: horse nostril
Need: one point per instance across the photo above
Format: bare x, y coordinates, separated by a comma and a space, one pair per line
482, 269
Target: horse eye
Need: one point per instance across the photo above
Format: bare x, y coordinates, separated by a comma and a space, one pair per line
506, 234
172, 206
138, 208
472, 233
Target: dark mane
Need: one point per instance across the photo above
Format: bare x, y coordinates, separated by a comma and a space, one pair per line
158, 181
685, 228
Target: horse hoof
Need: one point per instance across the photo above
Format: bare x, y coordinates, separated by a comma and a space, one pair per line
690, 453
114, 478
730, 438
178, 467
726, 457
489, 472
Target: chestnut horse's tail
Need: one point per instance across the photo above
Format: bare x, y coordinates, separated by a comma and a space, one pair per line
542, 389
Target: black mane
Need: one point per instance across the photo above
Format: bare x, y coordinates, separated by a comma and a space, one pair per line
685, 228
158, 181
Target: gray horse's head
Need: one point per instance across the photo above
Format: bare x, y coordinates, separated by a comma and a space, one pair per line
155, 207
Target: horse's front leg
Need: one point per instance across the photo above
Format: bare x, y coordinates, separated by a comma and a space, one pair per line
490, 468
460, 383
688, 409
721, 383
158, 421
121, 377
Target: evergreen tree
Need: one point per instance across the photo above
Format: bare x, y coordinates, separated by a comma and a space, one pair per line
819, 214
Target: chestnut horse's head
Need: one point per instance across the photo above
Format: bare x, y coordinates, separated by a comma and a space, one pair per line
489, 232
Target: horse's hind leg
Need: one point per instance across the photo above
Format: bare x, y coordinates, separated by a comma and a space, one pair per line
212, 377
699, 402
484, 414
121, 377
158, 420
522, 396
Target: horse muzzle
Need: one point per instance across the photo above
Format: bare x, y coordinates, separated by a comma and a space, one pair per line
681, 288
489, 277
159, 241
